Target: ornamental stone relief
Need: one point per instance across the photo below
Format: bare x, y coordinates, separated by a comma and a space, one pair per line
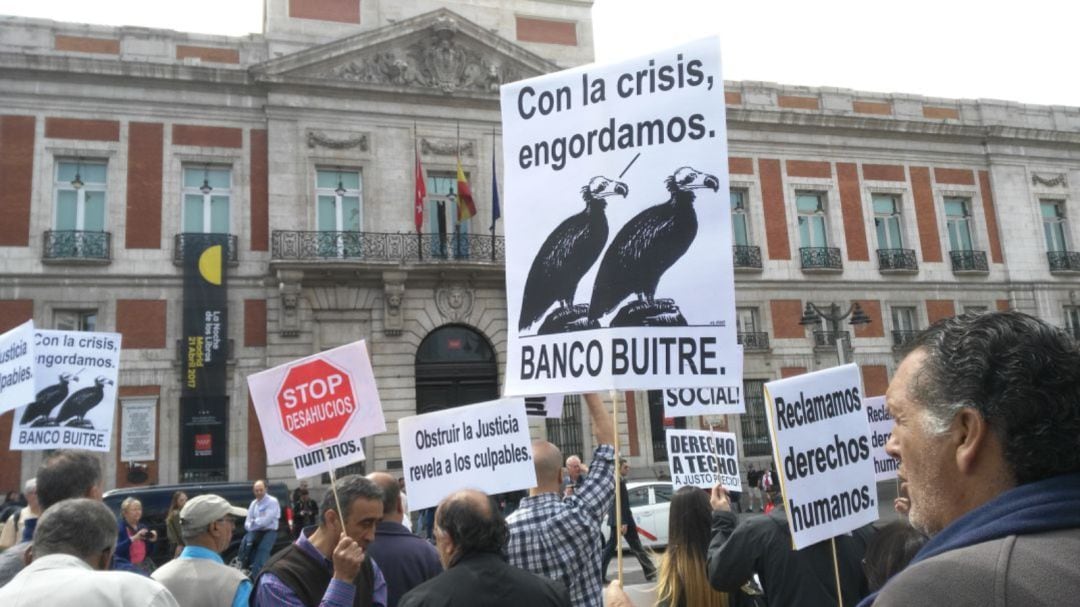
454, 302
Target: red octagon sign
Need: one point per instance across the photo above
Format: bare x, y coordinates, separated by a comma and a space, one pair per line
315, 402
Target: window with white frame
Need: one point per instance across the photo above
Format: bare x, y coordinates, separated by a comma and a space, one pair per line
339, 198
903, 318
80, 195
1055, 227
746, 319
812, 225
958, 223
1072, 320
887, 221
442, 215
75, 320
740, 227
207, 191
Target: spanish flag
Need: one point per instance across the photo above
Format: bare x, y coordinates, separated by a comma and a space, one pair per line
466, 208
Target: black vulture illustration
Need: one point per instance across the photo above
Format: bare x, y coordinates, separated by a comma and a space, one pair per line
79, 404
46, 400
645, 248
568, 253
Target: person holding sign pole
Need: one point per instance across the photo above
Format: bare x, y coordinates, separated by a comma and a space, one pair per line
470, 535
329, 567
628, 531
559, 538
762, 545
987, 415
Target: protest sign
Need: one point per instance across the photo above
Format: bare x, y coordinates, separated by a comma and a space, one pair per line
485, 446
618, 232
17, 367
700, 458
822, 444
315, 410
137, 429
537, 407
881, 426
75, 374
688, 402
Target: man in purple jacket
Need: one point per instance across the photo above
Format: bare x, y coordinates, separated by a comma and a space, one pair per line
406, 560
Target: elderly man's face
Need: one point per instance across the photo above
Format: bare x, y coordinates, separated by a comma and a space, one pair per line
259, 490
924, 457
573, 466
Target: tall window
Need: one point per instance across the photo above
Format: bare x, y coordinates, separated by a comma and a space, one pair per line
739, 227
1072, 321
1054, 227
206, 191
442, 215
338, 194
903, 318
80, 196
811, 209
755, 428
958, 220
75, 320
887, 221
565, 432
746, 320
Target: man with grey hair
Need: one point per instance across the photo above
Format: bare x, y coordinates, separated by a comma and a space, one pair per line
987, 420
199, 576
64, 475
19, 527
73, 546
407, 560
330, 566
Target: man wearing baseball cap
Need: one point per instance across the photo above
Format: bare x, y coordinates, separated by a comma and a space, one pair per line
199, 576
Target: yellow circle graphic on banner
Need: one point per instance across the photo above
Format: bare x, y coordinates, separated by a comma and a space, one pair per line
210, 264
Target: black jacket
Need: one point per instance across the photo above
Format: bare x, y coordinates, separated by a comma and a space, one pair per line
486, 580
804, 577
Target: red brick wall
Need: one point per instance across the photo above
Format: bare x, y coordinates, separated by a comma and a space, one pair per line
256, 450
851, 205
793, 102
207, 136
871, 107
80, 44
142, 322
875, 380
786, 314
732, 98
122, 466
925, 215
954, 176
631, 424
145, 149
16, 178
341, 11
786, 372
940, 113
936, 309
87, 130
208, 54
772, 202
876, 328
260, 191
809, 168
883, 172
991, 217
546, 31
254, 323
1003, 305
13, 312
741, 166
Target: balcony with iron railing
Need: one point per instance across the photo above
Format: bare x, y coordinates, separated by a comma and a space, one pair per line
325, 246
754, 341
901, 338
820, 259
897, 261
1064, 262
180, 241
77, 246
969, 262
827, 339
747, 257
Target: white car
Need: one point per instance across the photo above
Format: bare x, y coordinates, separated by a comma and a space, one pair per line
649, 502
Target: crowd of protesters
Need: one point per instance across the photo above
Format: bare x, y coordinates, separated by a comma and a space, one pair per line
987, 415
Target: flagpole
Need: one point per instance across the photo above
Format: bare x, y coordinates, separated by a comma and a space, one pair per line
494, 193
416, 153
457, 200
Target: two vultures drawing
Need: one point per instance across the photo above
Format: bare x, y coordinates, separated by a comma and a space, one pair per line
639, 255
75, 408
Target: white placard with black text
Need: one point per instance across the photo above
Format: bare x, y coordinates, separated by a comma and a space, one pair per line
881, 426
138, 425
17, 367
701, 458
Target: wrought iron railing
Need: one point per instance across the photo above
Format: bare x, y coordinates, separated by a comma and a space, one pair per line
1063, 261
754, 341
383, 246
197, 239
77, 245
828, 339
820, 258
747, 256
897, 260
969, 261
901, 338
755, 427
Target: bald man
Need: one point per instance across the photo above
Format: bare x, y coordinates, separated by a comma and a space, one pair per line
470, 536
575, 473
559, 537
406, 560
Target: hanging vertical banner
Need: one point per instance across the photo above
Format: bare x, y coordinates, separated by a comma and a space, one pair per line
619, 270
75, 373
17, 367
881, 426
204, 342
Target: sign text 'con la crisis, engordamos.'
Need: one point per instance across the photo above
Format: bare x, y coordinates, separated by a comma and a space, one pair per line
637, 356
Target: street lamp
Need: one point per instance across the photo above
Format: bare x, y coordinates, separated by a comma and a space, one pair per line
813, 315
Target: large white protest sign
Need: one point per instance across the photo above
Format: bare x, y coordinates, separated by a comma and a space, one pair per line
75, 373
700, 458
881, 426
315, 410
17, 367
687, 402
138, 424
618, 232
539, 407
822, 444
485, 446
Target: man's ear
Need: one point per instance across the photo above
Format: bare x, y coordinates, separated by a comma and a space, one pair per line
28, 555
105, 560
971, 436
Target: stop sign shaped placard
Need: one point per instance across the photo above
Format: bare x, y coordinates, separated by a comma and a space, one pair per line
315, 402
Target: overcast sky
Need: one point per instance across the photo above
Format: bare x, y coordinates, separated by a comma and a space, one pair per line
1023, 51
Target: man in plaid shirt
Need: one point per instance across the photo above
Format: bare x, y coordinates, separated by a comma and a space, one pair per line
559, 537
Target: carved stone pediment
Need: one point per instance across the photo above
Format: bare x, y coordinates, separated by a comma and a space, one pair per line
439, 51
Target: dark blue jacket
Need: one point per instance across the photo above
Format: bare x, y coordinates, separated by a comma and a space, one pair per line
406, 560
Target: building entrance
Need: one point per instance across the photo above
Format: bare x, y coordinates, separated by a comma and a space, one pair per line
455, 366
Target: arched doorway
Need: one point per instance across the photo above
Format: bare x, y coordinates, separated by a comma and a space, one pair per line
455, 366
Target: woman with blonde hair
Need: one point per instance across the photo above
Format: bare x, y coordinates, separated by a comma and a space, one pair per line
683, 581
133, 540
172, 523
